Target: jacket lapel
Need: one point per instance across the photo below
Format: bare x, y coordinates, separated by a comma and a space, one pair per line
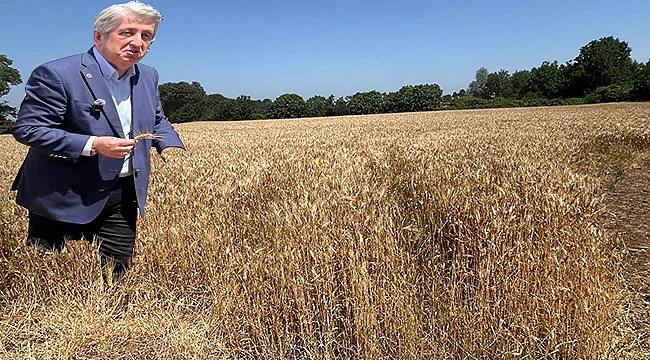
99, 89
135, 97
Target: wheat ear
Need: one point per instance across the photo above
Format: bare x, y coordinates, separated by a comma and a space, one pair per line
150, 136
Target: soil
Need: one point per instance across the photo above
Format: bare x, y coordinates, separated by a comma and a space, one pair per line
628, 214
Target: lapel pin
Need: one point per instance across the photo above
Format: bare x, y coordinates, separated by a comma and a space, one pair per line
89, 75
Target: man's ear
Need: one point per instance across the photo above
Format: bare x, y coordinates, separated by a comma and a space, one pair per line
97, 37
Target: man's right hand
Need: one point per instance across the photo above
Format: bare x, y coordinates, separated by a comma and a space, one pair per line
113, 147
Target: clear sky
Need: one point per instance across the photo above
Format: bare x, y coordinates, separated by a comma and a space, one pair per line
264, 49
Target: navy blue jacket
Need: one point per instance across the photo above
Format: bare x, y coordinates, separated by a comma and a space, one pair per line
56, 119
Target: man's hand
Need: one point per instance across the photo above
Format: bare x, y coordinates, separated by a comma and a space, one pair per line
113, 147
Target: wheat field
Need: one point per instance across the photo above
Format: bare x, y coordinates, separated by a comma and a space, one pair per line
441, 235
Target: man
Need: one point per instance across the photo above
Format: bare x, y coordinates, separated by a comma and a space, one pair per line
86, 172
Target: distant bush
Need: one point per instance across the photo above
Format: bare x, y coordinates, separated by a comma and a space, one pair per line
468, 103
504, 103
610, 93
569, 101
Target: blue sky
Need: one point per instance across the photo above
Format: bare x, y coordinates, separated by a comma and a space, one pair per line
264, 49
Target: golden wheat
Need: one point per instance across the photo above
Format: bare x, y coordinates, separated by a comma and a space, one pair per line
150, 136
455, 234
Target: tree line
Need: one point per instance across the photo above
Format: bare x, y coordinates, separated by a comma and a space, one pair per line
603, 71
185, 102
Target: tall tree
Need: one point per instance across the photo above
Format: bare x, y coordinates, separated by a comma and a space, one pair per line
8, 77
412, 98
547, 80
477, 87
182, 101
363, 103
319, 106
288, 106
340, 107
641, 90
261, 110
603, 62
520, 83
243, 108
498, 84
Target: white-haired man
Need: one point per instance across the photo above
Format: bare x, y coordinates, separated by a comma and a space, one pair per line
85, 175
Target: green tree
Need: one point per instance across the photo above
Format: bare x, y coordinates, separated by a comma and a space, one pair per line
243, 108
8, 77
641, 83
458, 94
182, 101
214, 105
340, 107
498, 85
288, 106
213, 100
319, 106
412, 98
477, 87
610, 93
520, 83
221, 110
547, 80
363, 103
603, 62
187, 113
261, 110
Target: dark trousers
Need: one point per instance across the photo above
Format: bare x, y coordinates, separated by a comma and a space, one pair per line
113, 231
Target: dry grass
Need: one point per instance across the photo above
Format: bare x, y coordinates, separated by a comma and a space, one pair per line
460, 235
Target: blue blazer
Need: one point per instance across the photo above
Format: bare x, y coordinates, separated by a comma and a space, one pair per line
56, 119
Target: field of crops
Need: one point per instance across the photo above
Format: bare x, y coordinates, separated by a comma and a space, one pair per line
451, 234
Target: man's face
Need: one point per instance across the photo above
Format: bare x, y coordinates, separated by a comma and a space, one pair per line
127, 44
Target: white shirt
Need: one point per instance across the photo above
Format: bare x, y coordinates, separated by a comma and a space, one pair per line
120, 88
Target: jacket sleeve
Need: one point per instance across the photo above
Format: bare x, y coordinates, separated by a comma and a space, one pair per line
40, 122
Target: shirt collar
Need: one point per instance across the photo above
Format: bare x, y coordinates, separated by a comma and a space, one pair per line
108, 70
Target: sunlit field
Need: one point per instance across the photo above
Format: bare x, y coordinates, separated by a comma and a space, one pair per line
454, 234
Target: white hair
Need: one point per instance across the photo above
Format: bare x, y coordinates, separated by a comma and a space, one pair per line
111, 17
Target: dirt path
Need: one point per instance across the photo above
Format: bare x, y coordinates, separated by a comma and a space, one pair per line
628, 213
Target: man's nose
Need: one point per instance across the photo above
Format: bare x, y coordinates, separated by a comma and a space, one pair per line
137, 40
